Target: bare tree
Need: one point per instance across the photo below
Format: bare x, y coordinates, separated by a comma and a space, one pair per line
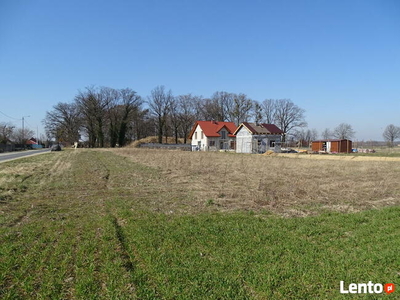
131, 104
344, 131
257, 112
174, 118
215, 108
63, 123
6, 131
240, 109
304, 137
288, 116
122, 106
104, 114
312, 135
208, 109
160, 105
20, 136
391, 134
299, 136
269, 110
93, 104
86, 102
141, 124
187, 116
223, 103
111, 112
326, 134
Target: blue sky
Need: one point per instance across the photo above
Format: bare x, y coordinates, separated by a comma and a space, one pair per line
339, 60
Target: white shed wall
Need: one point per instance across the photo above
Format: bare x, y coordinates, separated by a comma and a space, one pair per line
248, 143
243, 141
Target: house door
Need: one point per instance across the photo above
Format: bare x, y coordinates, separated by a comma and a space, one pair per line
199, 145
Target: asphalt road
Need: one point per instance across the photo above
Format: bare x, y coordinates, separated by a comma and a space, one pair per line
20, 154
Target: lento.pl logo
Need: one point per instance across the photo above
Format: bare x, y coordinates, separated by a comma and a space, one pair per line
366, 288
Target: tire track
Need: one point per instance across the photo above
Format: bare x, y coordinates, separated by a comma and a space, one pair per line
144, 287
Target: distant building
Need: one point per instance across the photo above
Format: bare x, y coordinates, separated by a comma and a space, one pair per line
258, 138
31, 141
33, 144
332, 146
213, 136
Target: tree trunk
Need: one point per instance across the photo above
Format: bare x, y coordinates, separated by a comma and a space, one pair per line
160, 130
176, 135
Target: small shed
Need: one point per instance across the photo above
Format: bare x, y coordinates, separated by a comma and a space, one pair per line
332, 146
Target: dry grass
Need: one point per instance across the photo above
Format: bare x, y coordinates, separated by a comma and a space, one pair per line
292, 187
347, 157
154, 139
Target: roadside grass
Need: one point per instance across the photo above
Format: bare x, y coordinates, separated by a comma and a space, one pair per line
86, 224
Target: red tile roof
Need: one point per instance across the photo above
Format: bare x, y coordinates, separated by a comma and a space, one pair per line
31, 142
212, 128
272, 128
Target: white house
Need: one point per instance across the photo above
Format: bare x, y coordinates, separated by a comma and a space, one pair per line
213, 136
258, 138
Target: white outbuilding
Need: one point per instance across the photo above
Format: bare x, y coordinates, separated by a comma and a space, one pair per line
258, 138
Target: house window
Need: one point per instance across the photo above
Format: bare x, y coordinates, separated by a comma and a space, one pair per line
272, 143
223, 135
212, 143
195, 135
202, 135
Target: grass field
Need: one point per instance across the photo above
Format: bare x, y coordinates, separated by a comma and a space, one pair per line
381, 151
148, 224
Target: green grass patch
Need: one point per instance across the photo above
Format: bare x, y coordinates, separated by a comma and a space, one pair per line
245, 256
376, 154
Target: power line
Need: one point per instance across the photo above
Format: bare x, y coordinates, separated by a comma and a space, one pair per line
30, 126
9, 116
27, 123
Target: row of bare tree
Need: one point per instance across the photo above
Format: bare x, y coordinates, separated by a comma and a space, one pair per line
111, 117
345, 131
10, 134
305, 136
179, 113
103, 115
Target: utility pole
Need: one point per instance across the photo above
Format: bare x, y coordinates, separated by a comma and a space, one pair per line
23, 129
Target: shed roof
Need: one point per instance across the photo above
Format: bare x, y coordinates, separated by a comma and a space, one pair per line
212, 128
260, 128
331, 140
